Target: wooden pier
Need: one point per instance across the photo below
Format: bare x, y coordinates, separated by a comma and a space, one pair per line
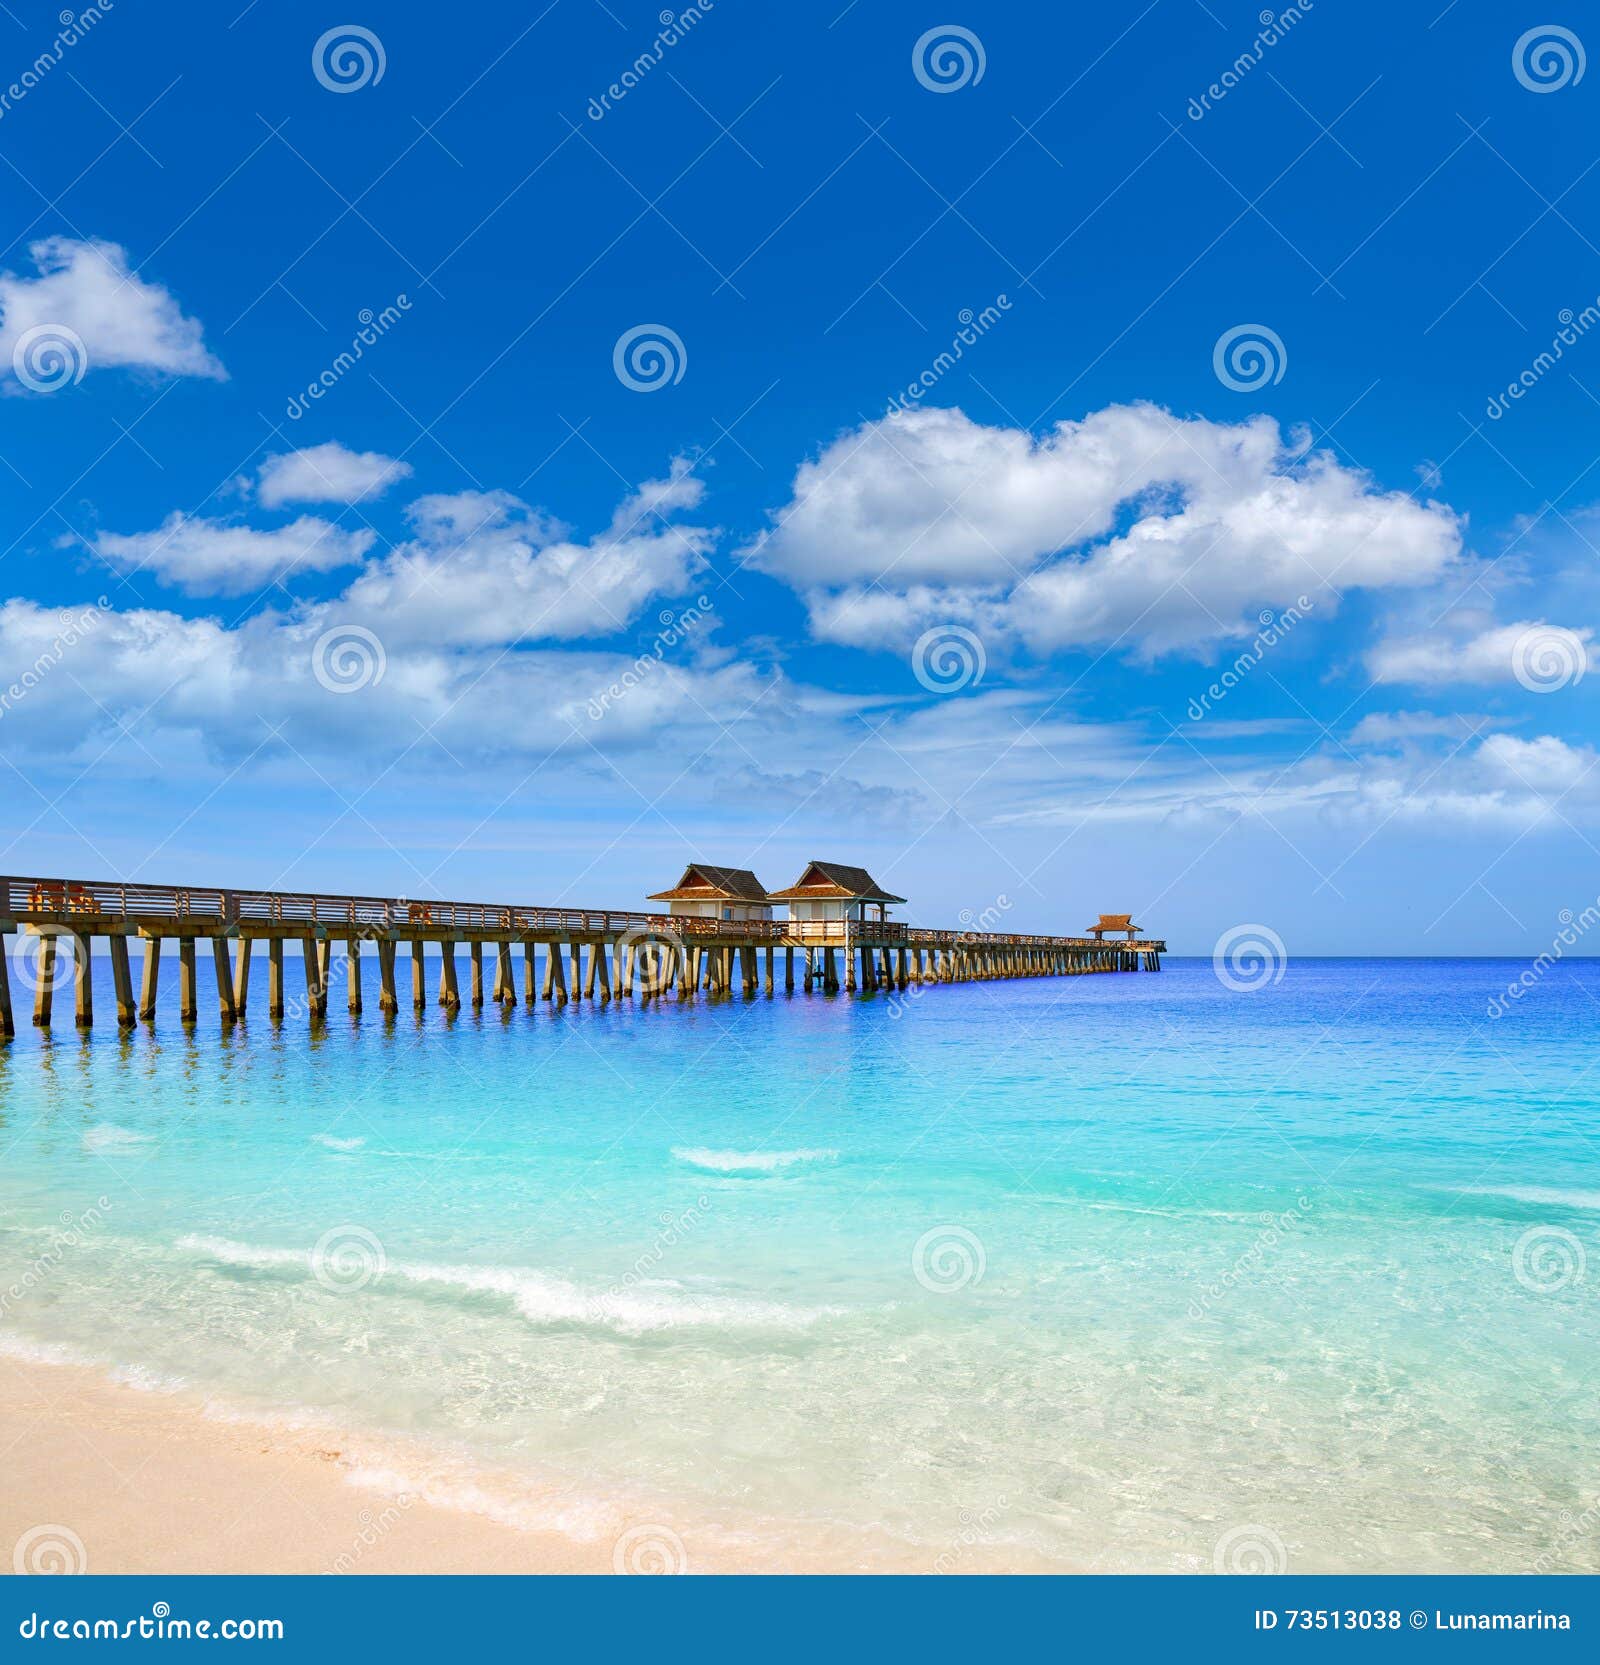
595, 954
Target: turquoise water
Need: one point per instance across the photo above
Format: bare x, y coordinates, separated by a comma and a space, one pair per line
1115, 1272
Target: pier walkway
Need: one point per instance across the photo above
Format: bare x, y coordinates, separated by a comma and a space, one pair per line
588, 953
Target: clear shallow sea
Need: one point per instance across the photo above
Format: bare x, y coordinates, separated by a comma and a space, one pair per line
1207, 1268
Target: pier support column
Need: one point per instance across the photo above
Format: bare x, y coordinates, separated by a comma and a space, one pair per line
747, 969
830, 971
419, 975
849, 970
388, 1000
275, 978
449, 991
576, 991
352, 971
82, 986
475, 954
45, 991
241, 974
556, 971
769, 971
603, 960
151, 978
224, 972
596, 954
530, 974
8, 1024
121, 981
788, 971
313, 968
324, 973
504, 976
188, 1010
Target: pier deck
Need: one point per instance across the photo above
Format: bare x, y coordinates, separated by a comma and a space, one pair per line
611, 952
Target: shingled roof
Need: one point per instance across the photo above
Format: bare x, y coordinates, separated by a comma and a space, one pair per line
702, 882
834, 881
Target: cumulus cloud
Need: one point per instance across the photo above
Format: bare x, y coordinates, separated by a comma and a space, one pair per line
215, 557
88, 288
1131, 525
482, 567
1468, 649
328, 473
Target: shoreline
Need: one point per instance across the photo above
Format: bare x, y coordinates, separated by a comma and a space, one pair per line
112, 1476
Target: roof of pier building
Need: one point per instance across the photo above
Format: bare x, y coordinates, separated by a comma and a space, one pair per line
703, 883
833, 881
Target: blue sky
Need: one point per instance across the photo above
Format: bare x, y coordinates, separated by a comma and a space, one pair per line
1072, 530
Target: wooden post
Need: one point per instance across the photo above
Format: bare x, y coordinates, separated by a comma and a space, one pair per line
449, 993
151, 978
549, 971
308, 948
241, 974
769, 970
788, 971
388, 1000
219, 960
121, 981
475, 952
275, 978
530, 981
577, 971
419, 975
188, 1011
8, 1024
603, 960
597, 953
45, 970
628, 952
830, 972
83, 988
324, 973
558, 971
505, 979
352, 970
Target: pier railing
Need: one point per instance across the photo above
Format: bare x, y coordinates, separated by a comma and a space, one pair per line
69, 901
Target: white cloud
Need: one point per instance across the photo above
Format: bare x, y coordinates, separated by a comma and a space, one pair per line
327, 473
1398, 728
1468, 649
484, 568
120, 319
1543, 765
1131, 525
214, 557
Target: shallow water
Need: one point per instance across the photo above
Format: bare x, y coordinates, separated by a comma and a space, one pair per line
1115, 1272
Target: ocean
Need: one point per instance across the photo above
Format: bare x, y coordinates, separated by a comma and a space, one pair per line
1114, 1273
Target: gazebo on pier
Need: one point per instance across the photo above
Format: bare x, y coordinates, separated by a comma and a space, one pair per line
1114, 922
831, 891
707, 892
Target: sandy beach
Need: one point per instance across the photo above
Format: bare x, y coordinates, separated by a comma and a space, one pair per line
148, 1482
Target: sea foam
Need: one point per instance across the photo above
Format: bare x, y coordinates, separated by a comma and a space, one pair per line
751, 1161
628, 1307
329, 1142
108, 1136
1553, 1196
